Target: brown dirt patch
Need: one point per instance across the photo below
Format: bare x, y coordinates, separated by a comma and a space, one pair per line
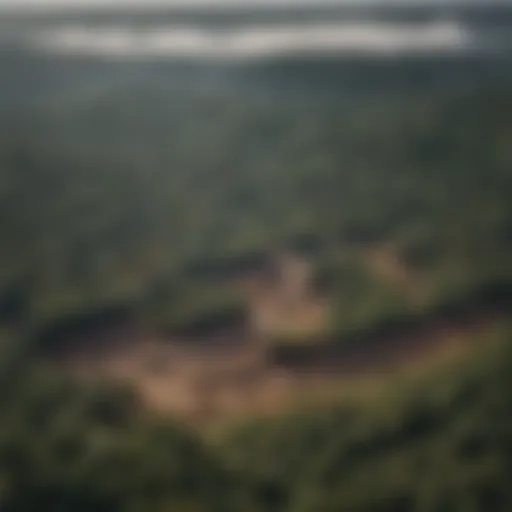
384, 262
219, 380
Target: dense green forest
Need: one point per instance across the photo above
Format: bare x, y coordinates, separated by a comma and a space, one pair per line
143, 206
160, 198
437, 443
130, 209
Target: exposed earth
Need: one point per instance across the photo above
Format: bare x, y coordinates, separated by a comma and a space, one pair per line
235, 373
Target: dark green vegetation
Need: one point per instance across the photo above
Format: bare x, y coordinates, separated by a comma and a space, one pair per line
439, 443
139, 194
113, 213
143, 206
67, 447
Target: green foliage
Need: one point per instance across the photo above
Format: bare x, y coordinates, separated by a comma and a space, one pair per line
440, 443
93, 222
147, 203
65, 446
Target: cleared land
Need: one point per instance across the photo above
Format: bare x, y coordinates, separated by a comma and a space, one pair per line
236, 373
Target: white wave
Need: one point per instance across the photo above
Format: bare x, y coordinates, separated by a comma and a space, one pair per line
254, 41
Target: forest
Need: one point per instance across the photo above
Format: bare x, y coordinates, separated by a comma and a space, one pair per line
131, 207
334, 222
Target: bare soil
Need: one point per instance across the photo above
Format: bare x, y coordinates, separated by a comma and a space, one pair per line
219, 379
234, 374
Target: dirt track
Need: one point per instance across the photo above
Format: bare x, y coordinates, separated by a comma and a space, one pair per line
235, 373
231, 376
